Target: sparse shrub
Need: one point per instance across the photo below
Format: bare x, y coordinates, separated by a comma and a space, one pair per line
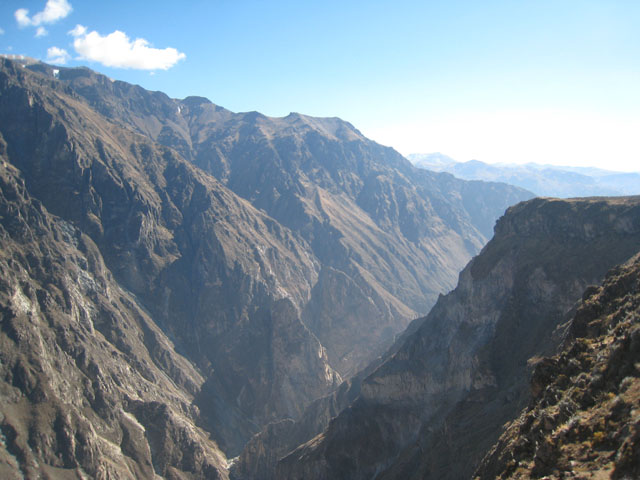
625, 383
562, 380
598, 438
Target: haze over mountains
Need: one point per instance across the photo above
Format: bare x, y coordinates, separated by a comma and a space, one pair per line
182, 284
365, 214
543, 180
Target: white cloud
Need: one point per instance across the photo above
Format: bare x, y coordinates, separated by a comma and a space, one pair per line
78, 30
117, 50
1, 31
41, 32
54, 10
22, 17
57, 55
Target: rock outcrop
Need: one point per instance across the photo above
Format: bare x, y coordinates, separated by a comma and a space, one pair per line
90, 385
222, 279
175, 277
434, 407
584, 417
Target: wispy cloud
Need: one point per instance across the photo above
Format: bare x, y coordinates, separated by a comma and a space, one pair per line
41, 32
54, 10
78, 31
1, 31
56, 55
22, 17
117, 50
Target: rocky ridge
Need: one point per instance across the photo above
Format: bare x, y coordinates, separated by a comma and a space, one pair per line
583, 420
149, 305
221, 278
391, 236
433, 408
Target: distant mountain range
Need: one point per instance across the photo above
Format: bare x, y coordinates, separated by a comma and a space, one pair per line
543, 180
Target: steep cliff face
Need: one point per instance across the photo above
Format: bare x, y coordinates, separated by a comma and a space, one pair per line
584, 415
261, 454
221, 278
391, 236
388, 236
433, 408
274, 253
90, 385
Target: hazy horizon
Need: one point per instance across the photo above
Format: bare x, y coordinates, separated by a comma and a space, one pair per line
521, 164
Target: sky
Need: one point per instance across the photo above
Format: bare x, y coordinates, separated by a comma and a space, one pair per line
516, 81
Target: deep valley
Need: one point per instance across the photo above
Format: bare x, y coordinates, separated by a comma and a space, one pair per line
190, 293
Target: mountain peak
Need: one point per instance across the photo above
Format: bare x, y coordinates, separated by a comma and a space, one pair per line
194, 101
332, 127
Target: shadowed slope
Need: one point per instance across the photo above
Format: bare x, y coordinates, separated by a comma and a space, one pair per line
583, 418
390, 235
209, 268
434, 407
90, 385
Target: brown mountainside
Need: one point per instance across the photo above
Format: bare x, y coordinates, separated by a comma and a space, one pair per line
177, 277
89, 385
272, 254
220, 277
388, 237
584, 417
436, 405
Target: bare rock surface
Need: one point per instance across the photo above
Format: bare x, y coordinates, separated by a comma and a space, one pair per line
90, 386
220, 278
388, 237
583, 420
243, 266
435, 406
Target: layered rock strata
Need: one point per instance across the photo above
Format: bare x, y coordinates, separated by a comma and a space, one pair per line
388, 237
220, 278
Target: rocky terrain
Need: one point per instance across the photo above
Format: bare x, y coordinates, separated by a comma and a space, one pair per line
211, 269
89, 385
434, 407
584, 417
177, 276
387, 238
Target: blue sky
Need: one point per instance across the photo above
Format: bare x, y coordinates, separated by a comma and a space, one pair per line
500, 81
